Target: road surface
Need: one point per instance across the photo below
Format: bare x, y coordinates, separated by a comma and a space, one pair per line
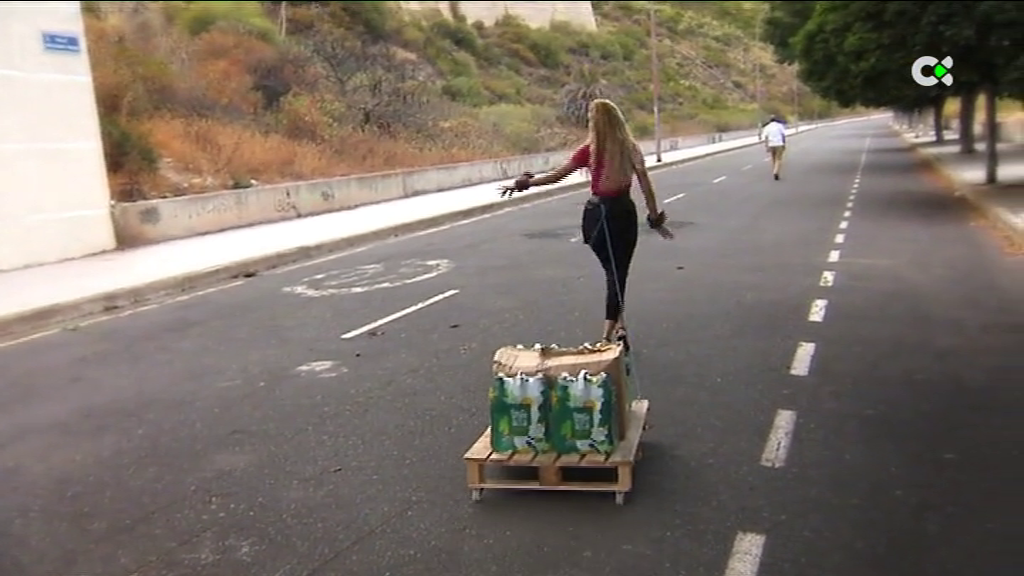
832, 360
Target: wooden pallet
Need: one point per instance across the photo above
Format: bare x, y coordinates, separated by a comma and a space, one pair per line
549, 466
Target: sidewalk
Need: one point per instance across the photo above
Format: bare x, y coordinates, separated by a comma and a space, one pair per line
40, 297
1003, 202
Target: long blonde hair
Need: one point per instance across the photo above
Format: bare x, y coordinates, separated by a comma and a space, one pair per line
611, 141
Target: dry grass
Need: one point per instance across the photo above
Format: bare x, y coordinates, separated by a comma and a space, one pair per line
203, 154
187, 111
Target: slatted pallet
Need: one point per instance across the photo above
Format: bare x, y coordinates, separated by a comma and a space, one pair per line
549, 467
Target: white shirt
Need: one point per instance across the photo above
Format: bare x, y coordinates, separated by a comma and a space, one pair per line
775, 134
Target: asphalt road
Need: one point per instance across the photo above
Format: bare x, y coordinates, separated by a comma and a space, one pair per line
238, 434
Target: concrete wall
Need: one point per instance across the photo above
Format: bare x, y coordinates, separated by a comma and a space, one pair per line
54, 196
150, 221
537, 14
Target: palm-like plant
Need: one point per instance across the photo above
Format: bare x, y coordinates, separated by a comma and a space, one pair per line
577, 96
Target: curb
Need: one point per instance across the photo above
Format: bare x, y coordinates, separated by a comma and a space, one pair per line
53, 317
1000, 216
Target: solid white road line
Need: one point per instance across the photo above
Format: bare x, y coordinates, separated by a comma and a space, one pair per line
717, 180
674, 198
817, 312
399, 314
828, 278
840, 238
801, 364
779, 439
745, 558
844, 225
833, 255
122, 314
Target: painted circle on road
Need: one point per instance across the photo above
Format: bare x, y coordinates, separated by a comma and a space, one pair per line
369, 277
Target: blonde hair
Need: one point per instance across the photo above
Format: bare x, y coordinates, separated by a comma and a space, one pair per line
611, 141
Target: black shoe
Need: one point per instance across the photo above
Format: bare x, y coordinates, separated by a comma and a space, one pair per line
776, 176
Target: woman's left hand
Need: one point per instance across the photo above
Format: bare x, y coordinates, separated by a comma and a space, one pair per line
657, 220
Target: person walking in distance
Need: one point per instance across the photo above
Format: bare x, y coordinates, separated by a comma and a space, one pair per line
775, 143
609, 224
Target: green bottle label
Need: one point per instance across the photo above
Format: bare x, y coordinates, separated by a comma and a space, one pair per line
520, 419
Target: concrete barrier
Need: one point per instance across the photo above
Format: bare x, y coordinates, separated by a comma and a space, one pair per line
151, 221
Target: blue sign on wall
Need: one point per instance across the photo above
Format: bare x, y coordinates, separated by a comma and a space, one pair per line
61, 42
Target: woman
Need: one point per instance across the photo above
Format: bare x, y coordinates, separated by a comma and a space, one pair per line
610, 217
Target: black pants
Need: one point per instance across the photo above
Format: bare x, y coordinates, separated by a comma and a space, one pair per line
610, 229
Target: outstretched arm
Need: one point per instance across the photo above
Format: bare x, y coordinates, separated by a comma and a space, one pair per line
578, 160
556, 175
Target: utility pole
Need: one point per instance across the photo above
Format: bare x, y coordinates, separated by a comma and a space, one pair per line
757, 69
655, 86
283, 19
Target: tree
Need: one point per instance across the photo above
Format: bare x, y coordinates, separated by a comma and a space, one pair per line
983, 39
847, 56
860, 52
577, 96
784, 21
382, 91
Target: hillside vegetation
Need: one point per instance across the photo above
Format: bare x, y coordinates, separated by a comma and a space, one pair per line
199, 96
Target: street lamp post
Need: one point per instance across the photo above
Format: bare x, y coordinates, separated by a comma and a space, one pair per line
757, 66
655, 86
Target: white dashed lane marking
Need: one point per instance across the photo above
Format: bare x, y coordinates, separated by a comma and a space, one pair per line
801, 364
818, 309
828, 278
779, 439
399, 314
745, 558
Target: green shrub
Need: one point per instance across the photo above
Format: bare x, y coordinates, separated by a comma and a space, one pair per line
126, 148
465, 91
376, 20
506, 88
520, 126
454, 63
459, 34
196, 18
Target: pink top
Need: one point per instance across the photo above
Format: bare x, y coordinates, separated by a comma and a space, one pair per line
581, 159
